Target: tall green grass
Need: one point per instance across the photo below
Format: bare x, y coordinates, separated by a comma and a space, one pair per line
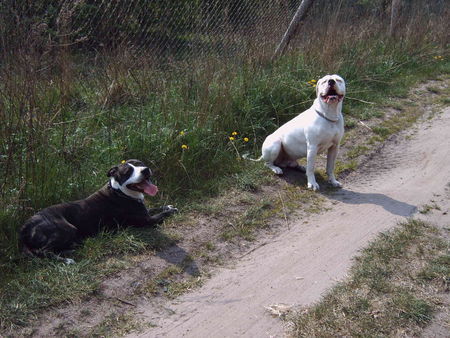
58, 138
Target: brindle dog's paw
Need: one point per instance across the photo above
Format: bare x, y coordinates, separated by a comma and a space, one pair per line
170, 209
69, 261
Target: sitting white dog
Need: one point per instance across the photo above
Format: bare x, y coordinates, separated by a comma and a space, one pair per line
318, 129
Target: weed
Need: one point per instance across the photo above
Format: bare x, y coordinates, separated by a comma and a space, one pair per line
438, 269
171, 282
381, 131
427, 208
244, 226
412, 308
357, 151
115, 325
434, 90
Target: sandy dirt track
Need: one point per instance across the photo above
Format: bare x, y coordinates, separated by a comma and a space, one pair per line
297, 266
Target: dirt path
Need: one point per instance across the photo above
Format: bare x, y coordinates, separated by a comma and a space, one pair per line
298, 265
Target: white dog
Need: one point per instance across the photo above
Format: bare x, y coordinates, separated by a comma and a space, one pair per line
318, 129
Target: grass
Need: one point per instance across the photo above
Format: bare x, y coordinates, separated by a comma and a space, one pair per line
172, 281
425, 209
394, 286
113, 325
62, 131
33, 285
116, 325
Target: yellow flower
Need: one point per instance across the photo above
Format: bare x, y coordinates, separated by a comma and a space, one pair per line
181, 133
184, 146
246, 139
313, 81
231, 138
234, 133
123, 161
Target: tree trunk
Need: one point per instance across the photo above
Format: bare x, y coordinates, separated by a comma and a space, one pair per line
300, 14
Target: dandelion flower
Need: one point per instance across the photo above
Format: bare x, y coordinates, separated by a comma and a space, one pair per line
181, 133
231, 138
123, 161
234, 133
184, 146
246, 139
313, 81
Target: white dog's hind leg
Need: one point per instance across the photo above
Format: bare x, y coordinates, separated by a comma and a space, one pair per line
294, 165
311, 159
270, 151
331, 161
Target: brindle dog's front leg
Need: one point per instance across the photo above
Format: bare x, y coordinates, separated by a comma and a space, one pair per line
157, 215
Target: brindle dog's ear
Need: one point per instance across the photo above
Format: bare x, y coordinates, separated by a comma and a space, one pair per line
112, 171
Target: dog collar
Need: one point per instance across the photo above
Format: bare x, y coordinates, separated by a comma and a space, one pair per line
121, 194
326, 118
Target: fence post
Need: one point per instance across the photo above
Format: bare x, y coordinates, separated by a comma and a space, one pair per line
299, 15
395, 14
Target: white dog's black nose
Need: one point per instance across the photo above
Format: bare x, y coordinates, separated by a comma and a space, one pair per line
331, 82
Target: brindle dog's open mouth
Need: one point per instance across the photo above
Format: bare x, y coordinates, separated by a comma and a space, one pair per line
331, 96
145, 187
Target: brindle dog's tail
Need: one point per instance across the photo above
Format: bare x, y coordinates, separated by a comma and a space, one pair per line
42, 253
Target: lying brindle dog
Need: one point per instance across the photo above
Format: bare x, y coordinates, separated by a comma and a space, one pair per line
55, 230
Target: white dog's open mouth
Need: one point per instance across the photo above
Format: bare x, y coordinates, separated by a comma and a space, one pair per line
331, 96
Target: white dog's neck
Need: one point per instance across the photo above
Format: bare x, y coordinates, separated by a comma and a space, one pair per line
332, 112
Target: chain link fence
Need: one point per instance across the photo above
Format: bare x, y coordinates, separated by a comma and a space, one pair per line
172, 29
159, 29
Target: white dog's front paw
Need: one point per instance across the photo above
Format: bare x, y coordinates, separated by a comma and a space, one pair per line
335, 183
313, 185
69, 261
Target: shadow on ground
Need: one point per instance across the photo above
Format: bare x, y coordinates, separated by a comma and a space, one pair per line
298, 178
391, 205
168, 249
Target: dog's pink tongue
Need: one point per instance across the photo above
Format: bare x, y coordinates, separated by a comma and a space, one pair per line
149, 189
